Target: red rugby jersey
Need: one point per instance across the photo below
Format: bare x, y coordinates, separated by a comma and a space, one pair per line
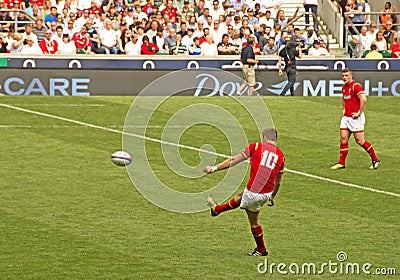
350, 96
266, 161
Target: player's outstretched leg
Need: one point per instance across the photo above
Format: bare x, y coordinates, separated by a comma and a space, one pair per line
216, 209
370, 150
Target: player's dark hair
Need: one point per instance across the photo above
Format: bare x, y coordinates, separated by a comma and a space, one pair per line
345, 70
270, 133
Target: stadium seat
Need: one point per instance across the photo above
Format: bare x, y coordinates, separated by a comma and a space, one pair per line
386, 54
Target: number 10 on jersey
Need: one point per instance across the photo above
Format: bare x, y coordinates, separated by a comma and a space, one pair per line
269, 159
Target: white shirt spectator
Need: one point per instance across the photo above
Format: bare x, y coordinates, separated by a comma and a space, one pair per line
32, 35
187, 41
318, 51
67, 48
209, 49
33, 49
108, 37
132, 48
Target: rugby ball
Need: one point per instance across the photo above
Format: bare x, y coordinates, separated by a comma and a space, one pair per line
121, 158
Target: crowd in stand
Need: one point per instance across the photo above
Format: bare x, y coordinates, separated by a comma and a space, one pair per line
369, 40
155, 27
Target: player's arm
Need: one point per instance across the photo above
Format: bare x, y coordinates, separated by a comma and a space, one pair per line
278, 180
280, 66
363, 103
229, 162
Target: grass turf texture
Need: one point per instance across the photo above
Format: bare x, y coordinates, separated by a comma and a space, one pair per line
67, 212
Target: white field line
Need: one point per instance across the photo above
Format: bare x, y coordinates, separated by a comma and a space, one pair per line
75, 126
190, 148
60, 105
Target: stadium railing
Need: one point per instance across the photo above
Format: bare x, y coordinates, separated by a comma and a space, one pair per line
16, 21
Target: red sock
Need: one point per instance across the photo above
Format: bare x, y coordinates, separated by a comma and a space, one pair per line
231, 204
370, 150
259, 238
344, 150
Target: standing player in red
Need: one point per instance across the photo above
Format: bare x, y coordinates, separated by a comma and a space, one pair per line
267, 167
353, 120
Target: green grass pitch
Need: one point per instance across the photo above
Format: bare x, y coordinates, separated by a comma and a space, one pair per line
66, 212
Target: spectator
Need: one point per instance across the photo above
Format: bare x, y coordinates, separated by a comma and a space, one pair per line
159, 39
359, 19
52, 17
108, 39
82, 41
199, 9
30, 47
388, 33
262, 35
226, 48
58, 37
237, 5
47, 8
94, 39
252, 19
133, 47
60, 21
188, 39
152, 30
235, 40
5, 17
272, 5
367, 9
66, 47
309, 36
178, 47
192, 23
317, 50
300, 40
396, 46
170, 11
147, 47
208, 48
186, 12
371, 33
22, 21
310, 5
266, 18
216, 10
280, 18
271, 48
28, 33
16, 43
255, 45
195, 49
183, 29
216, 31
170, 40
380, 42
387, 14
48, 45
3, 45
374, 54
69, 29
363, 42
39, 30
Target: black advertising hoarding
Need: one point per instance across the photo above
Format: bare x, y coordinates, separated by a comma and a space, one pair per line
200, 82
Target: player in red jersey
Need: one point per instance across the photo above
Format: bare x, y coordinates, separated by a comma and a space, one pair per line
353, 120
267, 166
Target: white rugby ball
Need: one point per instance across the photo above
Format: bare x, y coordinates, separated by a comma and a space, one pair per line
121, 158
